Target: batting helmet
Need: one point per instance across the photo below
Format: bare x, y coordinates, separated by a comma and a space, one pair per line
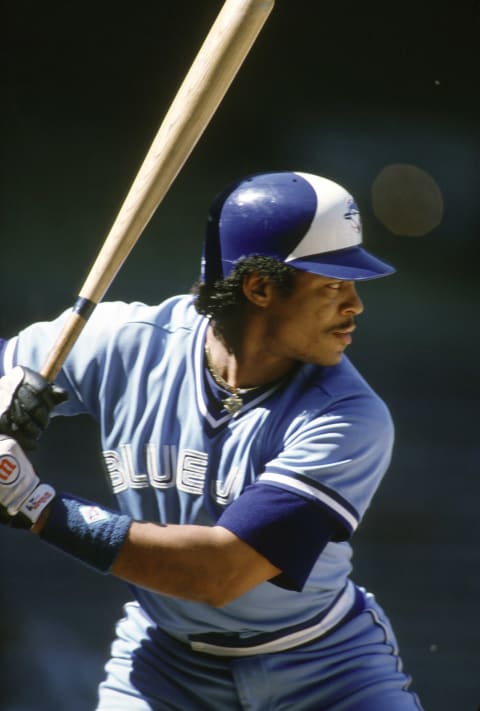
308, 222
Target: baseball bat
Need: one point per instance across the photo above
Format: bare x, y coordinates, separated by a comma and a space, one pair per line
227, 44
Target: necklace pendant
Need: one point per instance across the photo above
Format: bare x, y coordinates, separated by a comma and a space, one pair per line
233, 403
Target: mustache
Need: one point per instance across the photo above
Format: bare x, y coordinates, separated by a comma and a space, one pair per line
347, 324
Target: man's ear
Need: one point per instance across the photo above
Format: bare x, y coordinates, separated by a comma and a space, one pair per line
257, 289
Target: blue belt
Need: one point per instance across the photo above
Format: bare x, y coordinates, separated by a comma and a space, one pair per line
345, 606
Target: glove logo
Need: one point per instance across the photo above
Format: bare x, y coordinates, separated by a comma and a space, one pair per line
35, 503
9, 470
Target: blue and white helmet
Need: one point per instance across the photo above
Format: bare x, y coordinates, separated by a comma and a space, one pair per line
308, 222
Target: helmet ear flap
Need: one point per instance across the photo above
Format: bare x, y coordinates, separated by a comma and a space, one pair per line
211, 267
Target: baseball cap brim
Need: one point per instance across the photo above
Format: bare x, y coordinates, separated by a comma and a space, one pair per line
350, 264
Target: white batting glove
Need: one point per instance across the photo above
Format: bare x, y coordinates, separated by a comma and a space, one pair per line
21, 493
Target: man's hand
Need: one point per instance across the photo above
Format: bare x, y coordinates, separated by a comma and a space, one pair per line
26, 400
22, 496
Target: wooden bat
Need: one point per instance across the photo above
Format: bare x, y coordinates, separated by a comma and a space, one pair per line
214, 68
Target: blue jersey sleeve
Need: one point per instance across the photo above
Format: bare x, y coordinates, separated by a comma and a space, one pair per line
337, 458
285, 528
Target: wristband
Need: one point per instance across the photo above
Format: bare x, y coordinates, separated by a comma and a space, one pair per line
88, 532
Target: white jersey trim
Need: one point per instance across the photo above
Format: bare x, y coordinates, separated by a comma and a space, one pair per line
202, 402
198, 361
318, 494
335, 615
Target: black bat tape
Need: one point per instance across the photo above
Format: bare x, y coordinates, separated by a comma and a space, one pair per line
84, 307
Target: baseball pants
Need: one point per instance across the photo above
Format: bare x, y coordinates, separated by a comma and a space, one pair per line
353, 668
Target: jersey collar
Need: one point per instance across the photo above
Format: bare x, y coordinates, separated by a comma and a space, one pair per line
209, 395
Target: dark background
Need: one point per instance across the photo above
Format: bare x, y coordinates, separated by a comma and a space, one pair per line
341, 90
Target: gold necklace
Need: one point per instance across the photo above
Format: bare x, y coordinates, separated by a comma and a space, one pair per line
233, 403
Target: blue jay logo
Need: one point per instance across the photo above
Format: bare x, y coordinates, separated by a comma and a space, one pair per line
353, 214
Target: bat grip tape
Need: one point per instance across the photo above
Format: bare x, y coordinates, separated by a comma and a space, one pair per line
88, 532
84, 307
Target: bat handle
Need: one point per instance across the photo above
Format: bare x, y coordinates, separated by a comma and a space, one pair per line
67, 338
216, 64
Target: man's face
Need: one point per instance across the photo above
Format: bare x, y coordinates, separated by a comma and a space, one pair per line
314, 323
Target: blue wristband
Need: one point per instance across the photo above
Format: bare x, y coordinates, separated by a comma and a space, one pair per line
86, 531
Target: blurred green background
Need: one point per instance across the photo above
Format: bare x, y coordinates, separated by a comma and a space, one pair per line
343, 90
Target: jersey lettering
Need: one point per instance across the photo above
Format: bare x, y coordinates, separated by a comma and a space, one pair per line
115, 472
137, 481
122, 473
224, 492
191, 471
163, 479
166, 469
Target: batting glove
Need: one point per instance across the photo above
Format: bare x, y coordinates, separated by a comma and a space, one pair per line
26, 400
22, 496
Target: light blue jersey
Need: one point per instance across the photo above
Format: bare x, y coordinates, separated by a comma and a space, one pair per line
321, 437
295, 468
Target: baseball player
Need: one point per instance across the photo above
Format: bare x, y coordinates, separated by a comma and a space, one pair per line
243, 448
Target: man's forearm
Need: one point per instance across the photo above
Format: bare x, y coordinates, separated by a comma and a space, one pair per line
200, 563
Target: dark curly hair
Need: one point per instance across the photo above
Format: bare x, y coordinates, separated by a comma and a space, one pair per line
224, 302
